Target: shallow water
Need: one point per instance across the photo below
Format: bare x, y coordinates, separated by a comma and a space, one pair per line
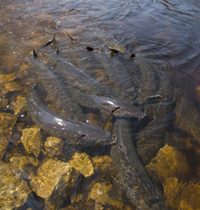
164, 32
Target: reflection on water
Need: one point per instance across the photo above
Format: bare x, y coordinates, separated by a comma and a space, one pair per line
47, 171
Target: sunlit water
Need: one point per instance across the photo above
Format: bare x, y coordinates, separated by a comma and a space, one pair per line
164, 32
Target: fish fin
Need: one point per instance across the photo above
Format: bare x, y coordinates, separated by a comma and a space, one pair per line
34, 54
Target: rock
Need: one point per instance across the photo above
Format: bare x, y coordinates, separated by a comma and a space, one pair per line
14, 191
172, 192
7, 122
168, 163
3, 102
82, 163
32, 140
24, 165
104, 163
54, 182
102, 194
180, 195
17, 104
53, 146
190, 197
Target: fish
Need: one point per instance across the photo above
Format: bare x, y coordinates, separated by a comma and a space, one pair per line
132, 180
81, 79
117, 107
75, 132
55, 90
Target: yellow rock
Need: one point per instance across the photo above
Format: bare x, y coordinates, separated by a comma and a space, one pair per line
168, 163
99, 193
181, 196
98, 206
53, 175
14, 191
12, 86
3, 102
7, 81
172, 192
82, 163
24, 67
184, 206
53, 146
31, 139
24, 165
102, 194
7, 122
190, 197
102, 163
4, 78
18, 104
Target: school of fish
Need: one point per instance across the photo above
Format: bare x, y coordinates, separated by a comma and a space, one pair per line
125, 102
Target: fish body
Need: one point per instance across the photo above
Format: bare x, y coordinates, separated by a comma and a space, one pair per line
57, 95
117, 107
81, 79
132, 181
56, 125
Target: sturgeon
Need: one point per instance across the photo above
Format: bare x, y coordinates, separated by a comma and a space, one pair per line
132, 180
52, 85
75, 132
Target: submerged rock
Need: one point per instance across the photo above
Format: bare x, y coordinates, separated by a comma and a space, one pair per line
170, 167
54, 182
3, 102
7, 122
103, 163
190, 196
18, 104
14, 191
168, 163
53, 146
180, 195
24, 165
102, 194
172, 192
32, 140
82, 163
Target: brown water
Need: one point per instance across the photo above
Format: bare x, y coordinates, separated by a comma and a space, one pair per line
164, 32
